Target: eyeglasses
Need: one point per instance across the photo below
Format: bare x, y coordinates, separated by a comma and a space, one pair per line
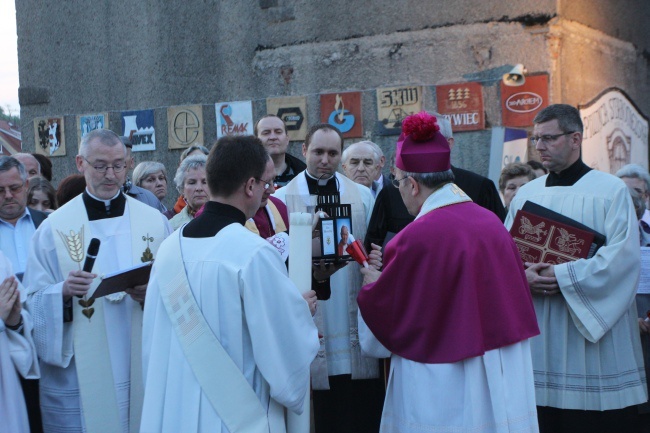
396, 182
267, 184
546, 139
117, 167
13, 189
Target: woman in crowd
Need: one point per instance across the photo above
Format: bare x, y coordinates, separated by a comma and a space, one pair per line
191, 183
152, 175
195, 149
514, 176
41, 195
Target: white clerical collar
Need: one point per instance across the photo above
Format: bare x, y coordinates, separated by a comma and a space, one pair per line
322, 181
107, 203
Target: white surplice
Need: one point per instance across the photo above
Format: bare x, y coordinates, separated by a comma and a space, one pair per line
340, 311
17, 356
493, 393
59, 388
588, 355
241, 285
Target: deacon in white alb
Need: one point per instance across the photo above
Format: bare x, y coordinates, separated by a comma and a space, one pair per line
228, 338
90, 352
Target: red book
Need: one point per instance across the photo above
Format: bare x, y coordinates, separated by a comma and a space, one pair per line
541, 239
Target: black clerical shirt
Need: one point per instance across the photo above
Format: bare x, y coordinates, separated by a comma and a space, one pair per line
214, 218
329, 188
97, 209
568, 176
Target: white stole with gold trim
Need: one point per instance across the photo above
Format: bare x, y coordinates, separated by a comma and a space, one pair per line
71, 232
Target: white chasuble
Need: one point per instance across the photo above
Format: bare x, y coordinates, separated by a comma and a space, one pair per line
241, 286
588, 355
91, 367
336, 318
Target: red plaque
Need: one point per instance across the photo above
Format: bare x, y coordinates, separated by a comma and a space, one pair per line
520, 104
462, 104
343, 111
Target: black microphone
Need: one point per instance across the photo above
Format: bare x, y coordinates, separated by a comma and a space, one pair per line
91, 255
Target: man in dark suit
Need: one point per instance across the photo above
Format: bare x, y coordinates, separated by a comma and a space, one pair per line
17, 225
389, 215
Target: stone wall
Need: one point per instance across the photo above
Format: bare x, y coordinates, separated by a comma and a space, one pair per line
112, 56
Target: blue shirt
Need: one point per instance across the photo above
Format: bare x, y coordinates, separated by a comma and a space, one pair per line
15, 240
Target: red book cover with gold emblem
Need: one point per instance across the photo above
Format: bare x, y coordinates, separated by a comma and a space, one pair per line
540, 239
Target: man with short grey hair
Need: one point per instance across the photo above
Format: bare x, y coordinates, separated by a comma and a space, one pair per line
89, 349
587, 361
361, 162
32, 166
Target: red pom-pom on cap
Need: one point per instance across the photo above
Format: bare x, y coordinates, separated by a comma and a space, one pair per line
421, 126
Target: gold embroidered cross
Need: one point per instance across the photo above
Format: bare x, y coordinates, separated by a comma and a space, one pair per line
147, 256
457, 191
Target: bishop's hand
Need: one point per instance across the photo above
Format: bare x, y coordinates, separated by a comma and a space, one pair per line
375, 257
370, 275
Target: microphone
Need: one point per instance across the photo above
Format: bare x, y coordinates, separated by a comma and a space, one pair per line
91, 255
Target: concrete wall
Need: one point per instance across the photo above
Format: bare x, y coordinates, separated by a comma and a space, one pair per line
119, 55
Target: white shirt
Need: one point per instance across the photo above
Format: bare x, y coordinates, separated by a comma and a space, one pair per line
14, 240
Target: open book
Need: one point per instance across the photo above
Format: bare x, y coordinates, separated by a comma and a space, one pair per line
119, 281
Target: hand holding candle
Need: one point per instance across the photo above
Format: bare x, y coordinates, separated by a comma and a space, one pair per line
358, 252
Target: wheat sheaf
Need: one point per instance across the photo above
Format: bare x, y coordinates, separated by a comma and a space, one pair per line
74, 243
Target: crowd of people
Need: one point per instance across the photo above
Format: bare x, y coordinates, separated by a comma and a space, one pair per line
444, 329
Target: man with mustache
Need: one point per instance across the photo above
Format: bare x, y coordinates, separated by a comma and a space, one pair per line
17, 226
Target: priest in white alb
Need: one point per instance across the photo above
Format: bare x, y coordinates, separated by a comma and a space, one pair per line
588, 362
90, 349
348, 392
228, 339
17, 352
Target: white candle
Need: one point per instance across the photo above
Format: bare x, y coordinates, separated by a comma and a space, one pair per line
300, 224
300, 250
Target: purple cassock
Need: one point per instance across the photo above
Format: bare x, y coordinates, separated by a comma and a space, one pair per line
453, 287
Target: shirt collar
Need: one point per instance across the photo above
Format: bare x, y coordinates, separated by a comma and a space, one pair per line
25, 214
99, 209
215, 216
568, 176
